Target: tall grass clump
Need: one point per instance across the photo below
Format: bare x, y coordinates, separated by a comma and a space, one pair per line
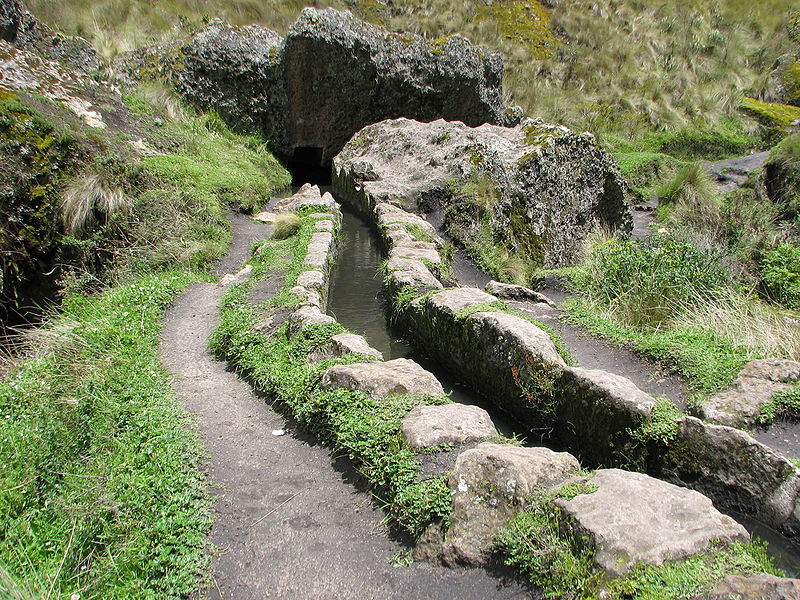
285, 225
645, 283
89, 199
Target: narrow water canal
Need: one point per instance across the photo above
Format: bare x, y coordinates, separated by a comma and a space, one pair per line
357, 299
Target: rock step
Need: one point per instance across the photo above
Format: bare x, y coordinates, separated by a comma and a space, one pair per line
379, 379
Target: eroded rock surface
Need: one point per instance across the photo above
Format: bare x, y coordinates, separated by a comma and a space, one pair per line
490, 484
757, 383
634, 518
737, 471
427, 426
350, 343
307, 196
754, 587
332, 75
543, 186
378, 379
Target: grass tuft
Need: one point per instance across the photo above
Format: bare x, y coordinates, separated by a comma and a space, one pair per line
285, 225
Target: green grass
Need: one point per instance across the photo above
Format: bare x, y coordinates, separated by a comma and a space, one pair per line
100, 487
216, 162
364, 429
709, 362
101, 492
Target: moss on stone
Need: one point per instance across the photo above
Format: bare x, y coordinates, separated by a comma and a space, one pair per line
770, 114
526, 23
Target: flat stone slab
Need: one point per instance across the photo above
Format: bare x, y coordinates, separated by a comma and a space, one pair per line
390, 214
635, 518
350, 343
427, 426
416, 252
755, 386
754, 587
378, 379
454, 301
507, 291
490, 484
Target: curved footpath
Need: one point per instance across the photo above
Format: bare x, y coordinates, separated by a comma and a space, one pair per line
288, 521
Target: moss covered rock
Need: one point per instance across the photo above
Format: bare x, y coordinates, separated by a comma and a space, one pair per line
533, 191
332, 75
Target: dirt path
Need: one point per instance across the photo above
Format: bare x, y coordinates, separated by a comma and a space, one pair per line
289, 521
733, 172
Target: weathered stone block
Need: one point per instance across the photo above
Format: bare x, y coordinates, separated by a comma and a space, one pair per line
378, 379
427, 426
635, 518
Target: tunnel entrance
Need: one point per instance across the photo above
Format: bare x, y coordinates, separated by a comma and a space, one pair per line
307, 166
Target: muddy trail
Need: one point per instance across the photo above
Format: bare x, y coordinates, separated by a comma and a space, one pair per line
291, 521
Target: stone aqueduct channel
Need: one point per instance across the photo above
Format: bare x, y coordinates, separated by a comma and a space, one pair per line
425, 122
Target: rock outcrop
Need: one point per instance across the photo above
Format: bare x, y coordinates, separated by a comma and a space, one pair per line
332, 75
536, 189
757, 383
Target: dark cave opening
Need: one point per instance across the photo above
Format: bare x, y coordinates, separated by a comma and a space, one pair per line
307, 165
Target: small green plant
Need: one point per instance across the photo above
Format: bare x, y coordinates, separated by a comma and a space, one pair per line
783, 405
780, 275
285, 225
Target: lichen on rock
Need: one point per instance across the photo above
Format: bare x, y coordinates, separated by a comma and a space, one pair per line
538, 188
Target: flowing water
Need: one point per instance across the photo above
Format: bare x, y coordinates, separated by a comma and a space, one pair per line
357, 299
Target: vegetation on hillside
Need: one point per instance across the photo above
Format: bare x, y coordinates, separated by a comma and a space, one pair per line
623, 68
101, 490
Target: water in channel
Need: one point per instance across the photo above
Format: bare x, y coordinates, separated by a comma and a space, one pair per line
357, 299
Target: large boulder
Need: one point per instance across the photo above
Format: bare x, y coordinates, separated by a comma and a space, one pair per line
537, 188
237, 72
632, 518
11, 13
332, 75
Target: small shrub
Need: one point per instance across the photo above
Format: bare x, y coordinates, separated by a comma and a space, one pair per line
646, 281
285, 226
780, 275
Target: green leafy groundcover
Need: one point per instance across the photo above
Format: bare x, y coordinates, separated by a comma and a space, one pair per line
100, 491
362, 428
